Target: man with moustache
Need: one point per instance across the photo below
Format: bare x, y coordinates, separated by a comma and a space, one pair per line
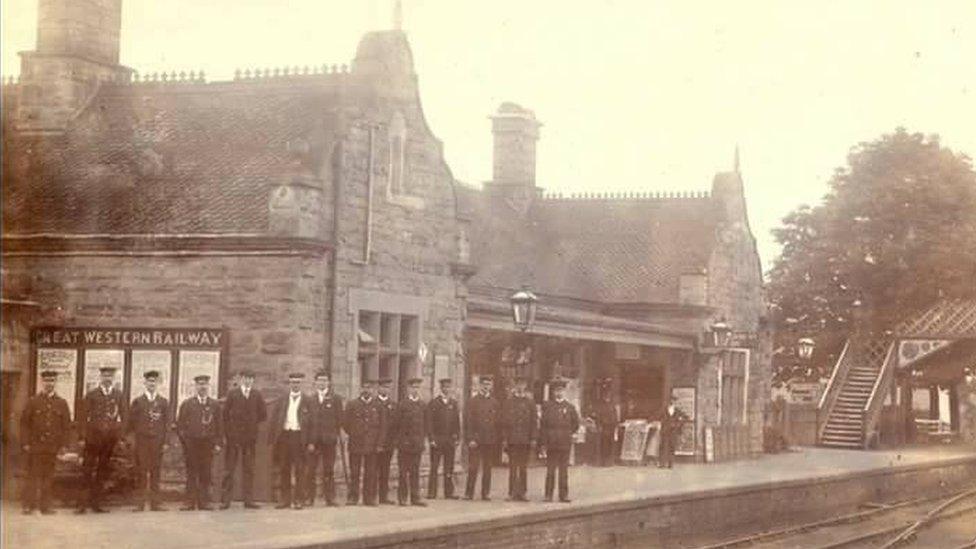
387, 440
290, 435
444, 431
44, 428
101, 419
520, 426
482, 431
560, 421
200, 427
149, 421
243, 411
327, 418
411, 433
362, 423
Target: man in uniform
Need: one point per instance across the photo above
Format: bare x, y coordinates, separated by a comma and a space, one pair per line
290, 435
671, 423
444, 430
520, 426
560, 421
149, 420
387, 440
604, 414
101, 419
410, 428
362, 424
199, 425
327, 418
243, 410
482, 432
44, 428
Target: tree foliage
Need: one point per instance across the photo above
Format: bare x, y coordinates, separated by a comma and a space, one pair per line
895, 232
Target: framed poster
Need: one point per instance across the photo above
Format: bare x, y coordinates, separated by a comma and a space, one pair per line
160, 360
194, 363
684, 400
65, 363
635, 440
100, 358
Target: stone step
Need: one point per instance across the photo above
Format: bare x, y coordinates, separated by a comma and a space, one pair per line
841, 444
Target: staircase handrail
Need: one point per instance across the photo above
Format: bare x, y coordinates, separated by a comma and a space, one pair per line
872, 408
830, 393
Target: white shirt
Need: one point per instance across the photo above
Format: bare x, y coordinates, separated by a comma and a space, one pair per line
105, 391
150, 396
322, 396
291, 418
246, 391
413, 399
203, 400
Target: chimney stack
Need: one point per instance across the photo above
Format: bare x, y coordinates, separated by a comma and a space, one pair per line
516, 131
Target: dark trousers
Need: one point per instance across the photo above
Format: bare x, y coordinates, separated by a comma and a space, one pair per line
606, 447
243, 451
291, 463
383, 460
40, 473
325, 455
149, 456
665, 456
408, 482
198, 453
97, 465
442, 453
518, 463
557, 458
362, 465
480, 456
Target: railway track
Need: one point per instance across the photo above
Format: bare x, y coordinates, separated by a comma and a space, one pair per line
946, 521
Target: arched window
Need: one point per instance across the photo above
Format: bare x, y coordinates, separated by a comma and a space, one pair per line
398, 139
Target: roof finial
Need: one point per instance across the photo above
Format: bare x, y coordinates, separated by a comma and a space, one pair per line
737, 158
398, 15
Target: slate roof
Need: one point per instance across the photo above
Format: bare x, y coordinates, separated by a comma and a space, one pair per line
608, 250
143, 158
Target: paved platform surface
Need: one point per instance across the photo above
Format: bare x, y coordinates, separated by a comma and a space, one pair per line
268, 528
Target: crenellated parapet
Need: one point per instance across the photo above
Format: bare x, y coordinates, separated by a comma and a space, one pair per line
630, 196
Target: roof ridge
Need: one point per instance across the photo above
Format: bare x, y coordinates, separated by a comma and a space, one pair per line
629, 196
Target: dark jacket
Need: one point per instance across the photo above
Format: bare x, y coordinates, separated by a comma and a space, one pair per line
559, 423
443, 421
410, 426
362, 422
242, 415
149, 419
605, 415
200, 421
671, 424
387, 431
327, 418
519, 420
44, 424
102, 414
279, 413
482, 423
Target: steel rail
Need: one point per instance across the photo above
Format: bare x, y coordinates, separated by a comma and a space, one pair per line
929, 517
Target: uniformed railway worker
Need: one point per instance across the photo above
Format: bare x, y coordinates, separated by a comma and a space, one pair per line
604, 414
101, 419
387, 440
243, 410
410, 428
149, 421
482, 432
327, 412
290, 434
199, 424
362, 423
520, 426
44, 428
444, 430
560, 421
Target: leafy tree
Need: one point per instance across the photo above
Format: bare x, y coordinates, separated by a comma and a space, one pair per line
895, 232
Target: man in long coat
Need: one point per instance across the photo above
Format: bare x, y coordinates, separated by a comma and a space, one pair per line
101, 420
44, 426
444, 431
149, 420
482, 430
560, 421
520, 425
199, 425
362, 423
243, 410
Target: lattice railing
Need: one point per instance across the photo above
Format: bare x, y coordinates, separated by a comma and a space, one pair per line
947, 319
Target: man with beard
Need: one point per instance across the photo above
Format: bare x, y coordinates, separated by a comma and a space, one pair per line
560, 421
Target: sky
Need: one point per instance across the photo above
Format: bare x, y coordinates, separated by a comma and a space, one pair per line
634, 95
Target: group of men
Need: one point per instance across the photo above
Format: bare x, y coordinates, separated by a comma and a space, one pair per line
305, 432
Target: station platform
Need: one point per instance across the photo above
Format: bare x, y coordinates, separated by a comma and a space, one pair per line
611, 507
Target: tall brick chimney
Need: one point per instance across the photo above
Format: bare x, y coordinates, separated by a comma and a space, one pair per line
77, 49
516, 131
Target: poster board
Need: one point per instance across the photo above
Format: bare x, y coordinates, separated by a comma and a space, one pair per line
102, 358
144, 360
194, 363
635, 440
653, 440
685, 400
65, 363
